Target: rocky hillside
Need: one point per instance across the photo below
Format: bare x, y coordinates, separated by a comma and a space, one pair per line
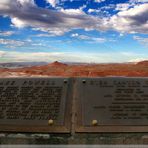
80, 70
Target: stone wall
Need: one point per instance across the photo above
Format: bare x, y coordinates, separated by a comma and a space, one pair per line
101, 138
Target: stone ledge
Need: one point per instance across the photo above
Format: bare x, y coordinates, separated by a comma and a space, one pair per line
21, 138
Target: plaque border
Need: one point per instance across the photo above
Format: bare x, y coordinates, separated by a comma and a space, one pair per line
66, 128
79, 128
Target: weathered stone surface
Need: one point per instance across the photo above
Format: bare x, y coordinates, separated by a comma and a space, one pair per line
133, 138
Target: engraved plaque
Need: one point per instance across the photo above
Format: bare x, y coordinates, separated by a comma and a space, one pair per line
35, 104
112, 104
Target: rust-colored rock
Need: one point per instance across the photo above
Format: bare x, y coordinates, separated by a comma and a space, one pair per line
81, 70
144, 63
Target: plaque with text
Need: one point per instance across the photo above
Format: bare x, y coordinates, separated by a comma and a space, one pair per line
112, 104
35, 104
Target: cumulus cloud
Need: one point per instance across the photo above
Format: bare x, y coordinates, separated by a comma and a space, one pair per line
133, 20
25, 13
52, 2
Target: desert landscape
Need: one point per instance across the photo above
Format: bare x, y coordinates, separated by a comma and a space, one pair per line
59, 69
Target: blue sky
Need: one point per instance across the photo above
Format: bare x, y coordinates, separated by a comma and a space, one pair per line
93, 31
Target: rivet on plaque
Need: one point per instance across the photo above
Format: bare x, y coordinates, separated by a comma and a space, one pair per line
65, 81
50, 122
94, 122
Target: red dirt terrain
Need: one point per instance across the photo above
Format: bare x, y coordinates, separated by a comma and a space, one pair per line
139, 69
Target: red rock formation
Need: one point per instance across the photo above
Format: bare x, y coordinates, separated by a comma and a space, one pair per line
144, 63
90, 70
57, 64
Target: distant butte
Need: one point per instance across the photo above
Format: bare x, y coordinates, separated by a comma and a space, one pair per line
56, 63
144, 63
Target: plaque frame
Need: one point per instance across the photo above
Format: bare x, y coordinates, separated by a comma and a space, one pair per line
66, 128
80, 128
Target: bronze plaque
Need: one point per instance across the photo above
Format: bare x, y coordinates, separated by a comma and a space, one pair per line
112, 104
35, 104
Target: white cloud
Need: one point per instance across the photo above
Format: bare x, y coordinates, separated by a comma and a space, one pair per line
88, 38
18, 23
58, 22
6, 33
138, 1
99, 1
73, 11
26, 2
130, 4
123, 6
25, 13
11, 42
75, 35
142, 40
93, 11
133, 20
52, 2
121, 34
